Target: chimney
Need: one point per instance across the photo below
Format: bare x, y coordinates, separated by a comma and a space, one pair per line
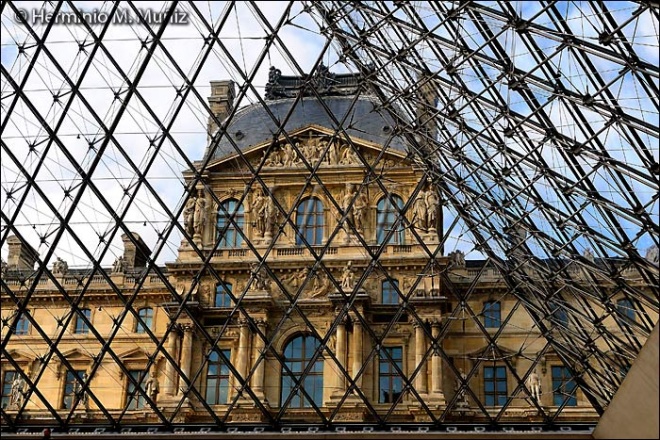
221, 102
135, 256
22, 256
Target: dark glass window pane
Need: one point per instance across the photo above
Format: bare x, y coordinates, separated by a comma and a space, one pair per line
230, 238
495, 386
298, 354
389, 292
81, 325
147, 315
310, 221
217, 378
386, 216
7, 381
492, 314
390, 381
222, 297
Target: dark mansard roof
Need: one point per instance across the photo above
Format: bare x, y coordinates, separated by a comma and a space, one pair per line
362, 117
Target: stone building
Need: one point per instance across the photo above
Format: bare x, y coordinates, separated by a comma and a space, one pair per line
348, 305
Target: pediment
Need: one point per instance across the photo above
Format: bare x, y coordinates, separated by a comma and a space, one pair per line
76, 354
136, 354
312, 141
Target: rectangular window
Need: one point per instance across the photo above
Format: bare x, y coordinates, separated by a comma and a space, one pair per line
71, 387
81, 325
135, 399
563, 387
389, 292
7, 381
217, 378
390, 382
222, 297
495, 390
492, 314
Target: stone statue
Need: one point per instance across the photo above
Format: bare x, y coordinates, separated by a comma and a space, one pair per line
16, 396
259, 208
349, 193
432, 205
151, 387
60, 267
83, 396
651, 254
188, 215
534, 385
457, 258
334, 155
270, 215
419, 211
260, 279
118, 265
320, 286
348, 156
199, 216
289, 155
296, 278
3, 268
460, 390
359, 207
348, 277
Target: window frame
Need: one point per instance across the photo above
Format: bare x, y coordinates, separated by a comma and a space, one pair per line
80, 327
223, 377
23, 326
391, 375
560, 393
232, 237
492, 313
223, 291
134, 400
69, 388
8, 377
386, 217
389, 288
310, 220
496, 396
149, 319
300, 400
625, 307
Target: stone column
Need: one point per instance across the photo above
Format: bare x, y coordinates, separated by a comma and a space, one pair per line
340, 353
258, 377
357, 351
421, 382
243, 349
436, 362
169, 387
186, 355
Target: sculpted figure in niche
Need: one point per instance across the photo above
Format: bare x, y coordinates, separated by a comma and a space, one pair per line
534, 385
16, 396
419, 210
349, 193
457, 258
359, 208
151, 386
200, 216
3, 268
462, 398
432, 205
258, 209
348, 277
270, 215
188, 215
260, 279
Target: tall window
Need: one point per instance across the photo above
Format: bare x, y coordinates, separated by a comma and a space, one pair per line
386, 216
563, 386
222, 298
147, 315
389, 292
231, 238
7, 381
81, 325
310, 221
390, 382
22, 326
297, 356
71, 385
492, 314
217, 378
625, 307
135, 400
495, 386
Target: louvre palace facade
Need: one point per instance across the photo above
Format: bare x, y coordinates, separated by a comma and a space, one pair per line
309, 287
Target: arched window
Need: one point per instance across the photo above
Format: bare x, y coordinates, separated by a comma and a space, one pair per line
222, 297
310, 221
231, 238
147, 315
22, 326
298, 354
386, 216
